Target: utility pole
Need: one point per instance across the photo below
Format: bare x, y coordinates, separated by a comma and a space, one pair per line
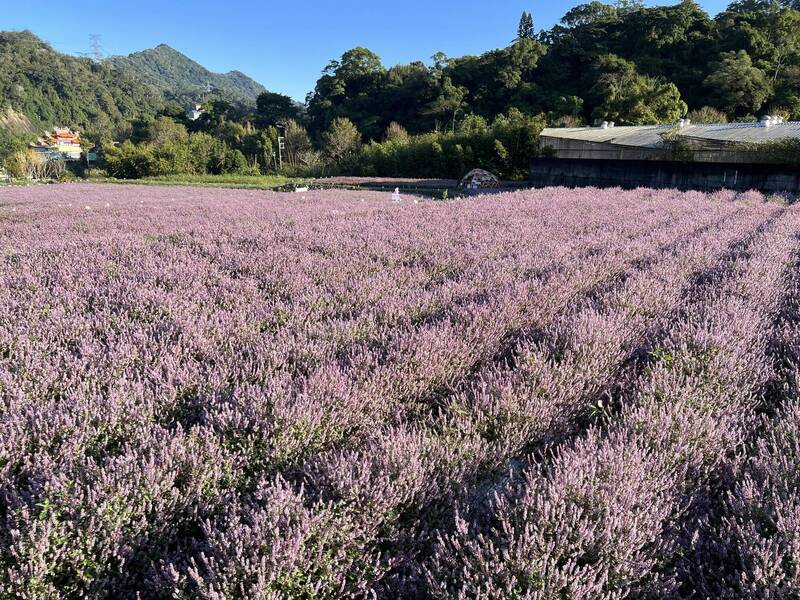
281, 143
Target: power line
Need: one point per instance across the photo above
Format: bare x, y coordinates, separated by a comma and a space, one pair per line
95, 48
94, 44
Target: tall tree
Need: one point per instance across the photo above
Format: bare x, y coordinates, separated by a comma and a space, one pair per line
396, 133
769, 32
630, 98
628, 6
11, 143
272, 108
349, 88
258, 148
739, 86
525, 30
297, 142
341, 141
449, 101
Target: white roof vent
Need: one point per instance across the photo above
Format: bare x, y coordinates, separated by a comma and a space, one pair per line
611, 124
681, 123
687, 122
604, 125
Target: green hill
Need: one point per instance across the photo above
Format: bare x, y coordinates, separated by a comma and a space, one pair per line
181, 79
54, 89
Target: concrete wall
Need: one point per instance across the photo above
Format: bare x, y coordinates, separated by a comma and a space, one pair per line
700, 150
663, 174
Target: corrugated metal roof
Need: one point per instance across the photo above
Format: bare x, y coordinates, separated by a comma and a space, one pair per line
649, 136
642, 136
743, 132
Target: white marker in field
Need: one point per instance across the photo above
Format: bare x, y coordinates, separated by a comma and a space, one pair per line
396, 195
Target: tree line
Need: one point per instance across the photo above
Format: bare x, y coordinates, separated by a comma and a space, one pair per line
622, 62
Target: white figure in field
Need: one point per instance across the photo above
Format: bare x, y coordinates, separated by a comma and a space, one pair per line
396, 195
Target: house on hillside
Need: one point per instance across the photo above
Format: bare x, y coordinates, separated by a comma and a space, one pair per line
683, 155
60, 144
195, 113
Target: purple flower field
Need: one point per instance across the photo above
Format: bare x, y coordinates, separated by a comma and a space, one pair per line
541, 394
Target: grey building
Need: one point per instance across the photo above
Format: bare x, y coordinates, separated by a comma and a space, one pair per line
720, 143
683, 155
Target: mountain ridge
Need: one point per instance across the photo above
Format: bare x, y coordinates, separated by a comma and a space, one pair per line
41, 88
182, 79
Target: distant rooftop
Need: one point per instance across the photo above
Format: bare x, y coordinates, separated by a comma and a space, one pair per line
649, 136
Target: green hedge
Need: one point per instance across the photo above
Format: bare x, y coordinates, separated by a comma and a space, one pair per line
505, 148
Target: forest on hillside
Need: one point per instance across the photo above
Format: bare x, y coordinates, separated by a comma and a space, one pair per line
623, 62
183, 80
54, 89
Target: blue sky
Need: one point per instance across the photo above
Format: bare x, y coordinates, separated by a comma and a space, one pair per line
284, 45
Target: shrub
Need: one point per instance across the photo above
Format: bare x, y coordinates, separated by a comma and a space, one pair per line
504, 148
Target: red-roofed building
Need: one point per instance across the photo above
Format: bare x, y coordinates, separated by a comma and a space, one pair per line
62, 143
